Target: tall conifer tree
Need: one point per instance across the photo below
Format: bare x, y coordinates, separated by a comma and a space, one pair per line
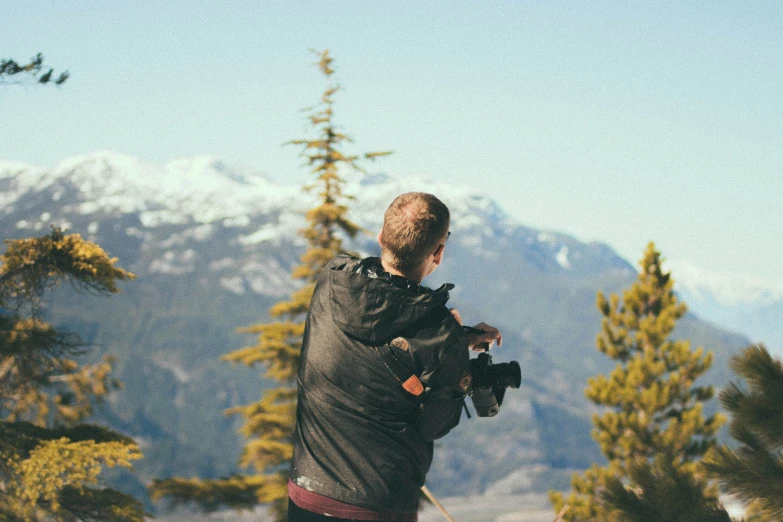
652, 411
49, 459
269, 423
753, 471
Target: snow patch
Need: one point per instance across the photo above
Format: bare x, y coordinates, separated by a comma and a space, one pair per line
175, 263
562, 257
89, 207
222, 264
469, 241
156, 218
266, 233
141, 234
268, 277
169, 363
726, 288
235, 285
199, 233
238, 221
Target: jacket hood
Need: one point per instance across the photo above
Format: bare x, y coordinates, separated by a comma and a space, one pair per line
372, 305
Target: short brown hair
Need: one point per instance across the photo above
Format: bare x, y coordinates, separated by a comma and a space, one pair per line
413, 227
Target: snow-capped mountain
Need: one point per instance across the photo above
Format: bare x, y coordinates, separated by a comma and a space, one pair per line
213, 247
172, 209
727, 289
748, 305
201, 189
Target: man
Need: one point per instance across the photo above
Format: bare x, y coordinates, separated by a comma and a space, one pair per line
384, 372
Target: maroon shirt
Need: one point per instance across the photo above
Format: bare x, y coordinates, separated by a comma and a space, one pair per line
326, 506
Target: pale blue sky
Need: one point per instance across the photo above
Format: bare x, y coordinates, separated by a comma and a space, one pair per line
622, 122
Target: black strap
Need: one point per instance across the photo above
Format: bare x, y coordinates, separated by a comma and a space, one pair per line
409, 380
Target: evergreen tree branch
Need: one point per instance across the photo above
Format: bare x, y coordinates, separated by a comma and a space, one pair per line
753, 471
9, 68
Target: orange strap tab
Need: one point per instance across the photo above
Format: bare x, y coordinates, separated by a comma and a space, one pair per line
409, 380
413, 385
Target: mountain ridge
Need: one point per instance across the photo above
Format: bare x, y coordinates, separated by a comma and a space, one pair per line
213, 194
213, 258
207, 189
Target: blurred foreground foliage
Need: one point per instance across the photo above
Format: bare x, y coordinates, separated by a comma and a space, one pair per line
32, 68
752, 470
49, 462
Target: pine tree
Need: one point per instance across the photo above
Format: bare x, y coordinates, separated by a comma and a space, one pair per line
49, 459
753, 471
652, 411
269, 422
661, 494
9, 67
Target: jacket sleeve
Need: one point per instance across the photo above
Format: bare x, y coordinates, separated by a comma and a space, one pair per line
446, 376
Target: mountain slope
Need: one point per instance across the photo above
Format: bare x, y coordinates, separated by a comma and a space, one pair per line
213, 247
743, 304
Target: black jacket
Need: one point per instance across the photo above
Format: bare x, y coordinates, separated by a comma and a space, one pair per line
360, 437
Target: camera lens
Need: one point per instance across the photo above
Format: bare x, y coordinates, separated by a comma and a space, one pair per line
506, 375
490, 382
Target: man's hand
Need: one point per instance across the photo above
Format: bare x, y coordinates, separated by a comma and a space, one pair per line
481, 342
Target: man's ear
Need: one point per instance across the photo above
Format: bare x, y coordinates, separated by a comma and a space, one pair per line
380, 238
438, 254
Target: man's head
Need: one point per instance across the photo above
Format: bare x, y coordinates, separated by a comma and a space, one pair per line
415, 228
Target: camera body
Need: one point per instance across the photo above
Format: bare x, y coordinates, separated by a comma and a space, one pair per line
490, 382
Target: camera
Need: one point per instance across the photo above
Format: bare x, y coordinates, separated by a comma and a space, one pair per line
490, 382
